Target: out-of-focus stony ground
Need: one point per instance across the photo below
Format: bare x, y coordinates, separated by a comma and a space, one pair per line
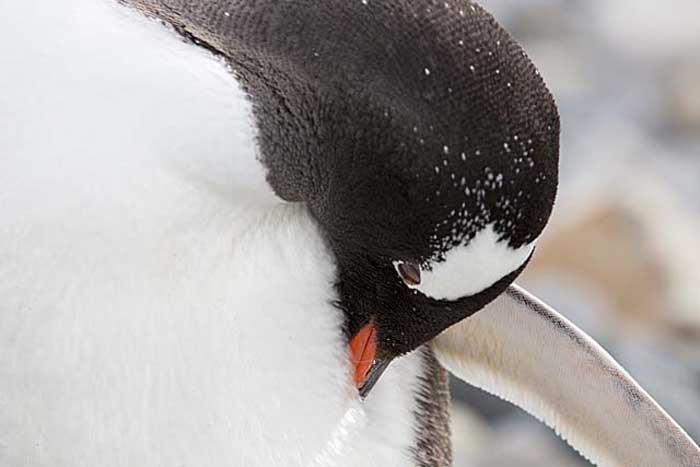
621, 257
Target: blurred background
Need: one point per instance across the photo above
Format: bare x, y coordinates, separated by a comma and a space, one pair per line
621, 257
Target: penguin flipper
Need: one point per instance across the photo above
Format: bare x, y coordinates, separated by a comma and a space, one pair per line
525, 352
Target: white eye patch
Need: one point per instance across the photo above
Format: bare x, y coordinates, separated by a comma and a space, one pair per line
474, 267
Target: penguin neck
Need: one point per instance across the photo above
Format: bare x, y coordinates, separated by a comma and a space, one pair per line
170, 310
168, 285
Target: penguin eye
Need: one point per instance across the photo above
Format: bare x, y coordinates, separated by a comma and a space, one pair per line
409, 272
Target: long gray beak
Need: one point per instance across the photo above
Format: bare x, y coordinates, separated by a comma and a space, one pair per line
525, 352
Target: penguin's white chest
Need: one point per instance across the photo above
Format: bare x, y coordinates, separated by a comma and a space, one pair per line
158, 306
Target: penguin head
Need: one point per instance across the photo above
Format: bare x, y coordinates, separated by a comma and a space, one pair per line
433, 222
435, 188
418, 133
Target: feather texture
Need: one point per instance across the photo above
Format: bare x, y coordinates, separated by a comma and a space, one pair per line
158, 305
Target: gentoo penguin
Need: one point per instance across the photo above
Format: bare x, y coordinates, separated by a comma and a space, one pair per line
223, 224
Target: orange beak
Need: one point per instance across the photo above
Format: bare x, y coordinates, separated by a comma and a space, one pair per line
367, 368
363, 350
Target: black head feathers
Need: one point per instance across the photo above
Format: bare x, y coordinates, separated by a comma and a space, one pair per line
408, 127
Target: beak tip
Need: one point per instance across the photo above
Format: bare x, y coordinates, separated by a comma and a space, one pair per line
375, 372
